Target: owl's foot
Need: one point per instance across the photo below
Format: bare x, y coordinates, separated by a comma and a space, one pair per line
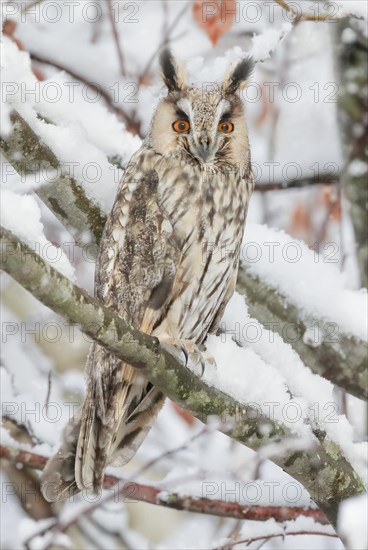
195, 359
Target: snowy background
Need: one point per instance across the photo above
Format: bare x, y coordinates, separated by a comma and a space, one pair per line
50, 52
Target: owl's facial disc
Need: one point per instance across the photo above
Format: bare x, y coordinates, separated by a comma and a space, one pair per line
203, 124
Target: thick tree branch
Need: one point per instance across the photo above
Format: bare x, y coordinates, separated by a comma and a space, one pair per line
340, 359
302, 183
153, 495
351, 58
69, 203
63, 195
328, 476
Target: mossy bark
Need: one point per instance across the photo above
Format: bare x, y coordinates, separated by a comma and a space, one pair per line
351, 62
322, 469
339, 358
63, 195
67, 200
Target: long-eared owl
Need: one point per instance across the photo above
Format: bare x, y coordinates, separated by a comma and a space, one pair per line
168, 262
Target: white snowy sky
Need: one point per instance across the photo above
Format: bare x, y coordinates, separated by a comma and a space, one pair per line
298, 137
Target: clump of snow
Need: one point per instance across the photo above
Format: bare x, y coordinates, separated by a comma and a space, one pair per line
308, 280
243, 373
199, 72
358, 168
274, 377
352, 522
84, 133
21, 215
265, 43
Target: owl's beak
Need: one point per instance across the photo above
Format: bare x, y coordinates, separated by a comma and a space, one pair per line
203, 147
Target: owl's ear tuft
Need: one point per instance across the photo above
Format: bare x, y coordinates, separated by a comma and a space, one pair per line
172, 73
238, 76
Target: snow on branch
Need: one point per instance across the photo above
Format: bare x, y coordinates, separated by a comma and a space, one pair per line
154, 495
82, 217
352, 8
28, 154
322, 469
131, 124
323, 344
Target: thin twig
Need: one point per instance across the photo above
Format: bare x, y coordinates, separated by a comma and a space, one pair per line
165, 368
165, 9
167, 499
165, 40
131, 123
115, 34
302, 16
49, 377
266, 538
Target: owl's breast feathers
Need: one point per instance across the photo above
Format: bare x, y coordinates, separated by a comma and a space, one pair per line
206, 207
171, 245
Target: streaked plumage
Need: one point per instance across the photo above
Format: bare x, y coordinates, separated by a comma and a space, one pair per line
168, 262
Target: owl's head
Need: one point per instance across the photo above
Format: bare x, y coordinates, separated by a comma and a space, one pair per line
204, 122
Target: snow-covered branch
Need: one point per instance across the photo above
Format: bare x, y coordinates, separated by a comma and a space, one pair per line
131, 124
67, 199
345, 8
326, 473
352, 58
326, 358
28, 154
154, 495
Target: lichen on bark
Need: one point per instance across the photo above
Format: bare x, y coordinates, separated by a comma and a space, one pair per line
328, 475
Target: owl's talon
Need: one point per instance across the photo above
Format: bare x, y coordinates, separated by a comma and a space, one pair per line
203, 364
186, 355
195, 359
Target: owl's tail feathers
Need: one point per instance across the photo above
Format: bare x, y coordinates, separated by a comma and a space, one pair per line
102, 434
114, 430
58, 481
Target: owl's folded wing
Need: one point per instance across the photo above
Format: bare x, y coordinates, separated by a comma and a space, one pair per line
134, 275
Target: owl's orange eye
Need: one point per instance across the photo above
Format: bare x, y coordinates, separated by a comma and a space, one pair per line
225, 127
181, 126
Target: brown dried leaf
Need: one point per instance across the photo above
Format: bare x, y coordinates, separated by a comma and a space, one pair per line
331, 203
301, 222
214, 16
185, 415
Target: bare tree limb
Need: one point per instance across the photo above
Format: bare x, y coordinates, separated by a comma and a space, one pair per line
153, 495
131, 124
302, 183
73, 208
328, 476
164, 41
302, 16
351, 58
116, 37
